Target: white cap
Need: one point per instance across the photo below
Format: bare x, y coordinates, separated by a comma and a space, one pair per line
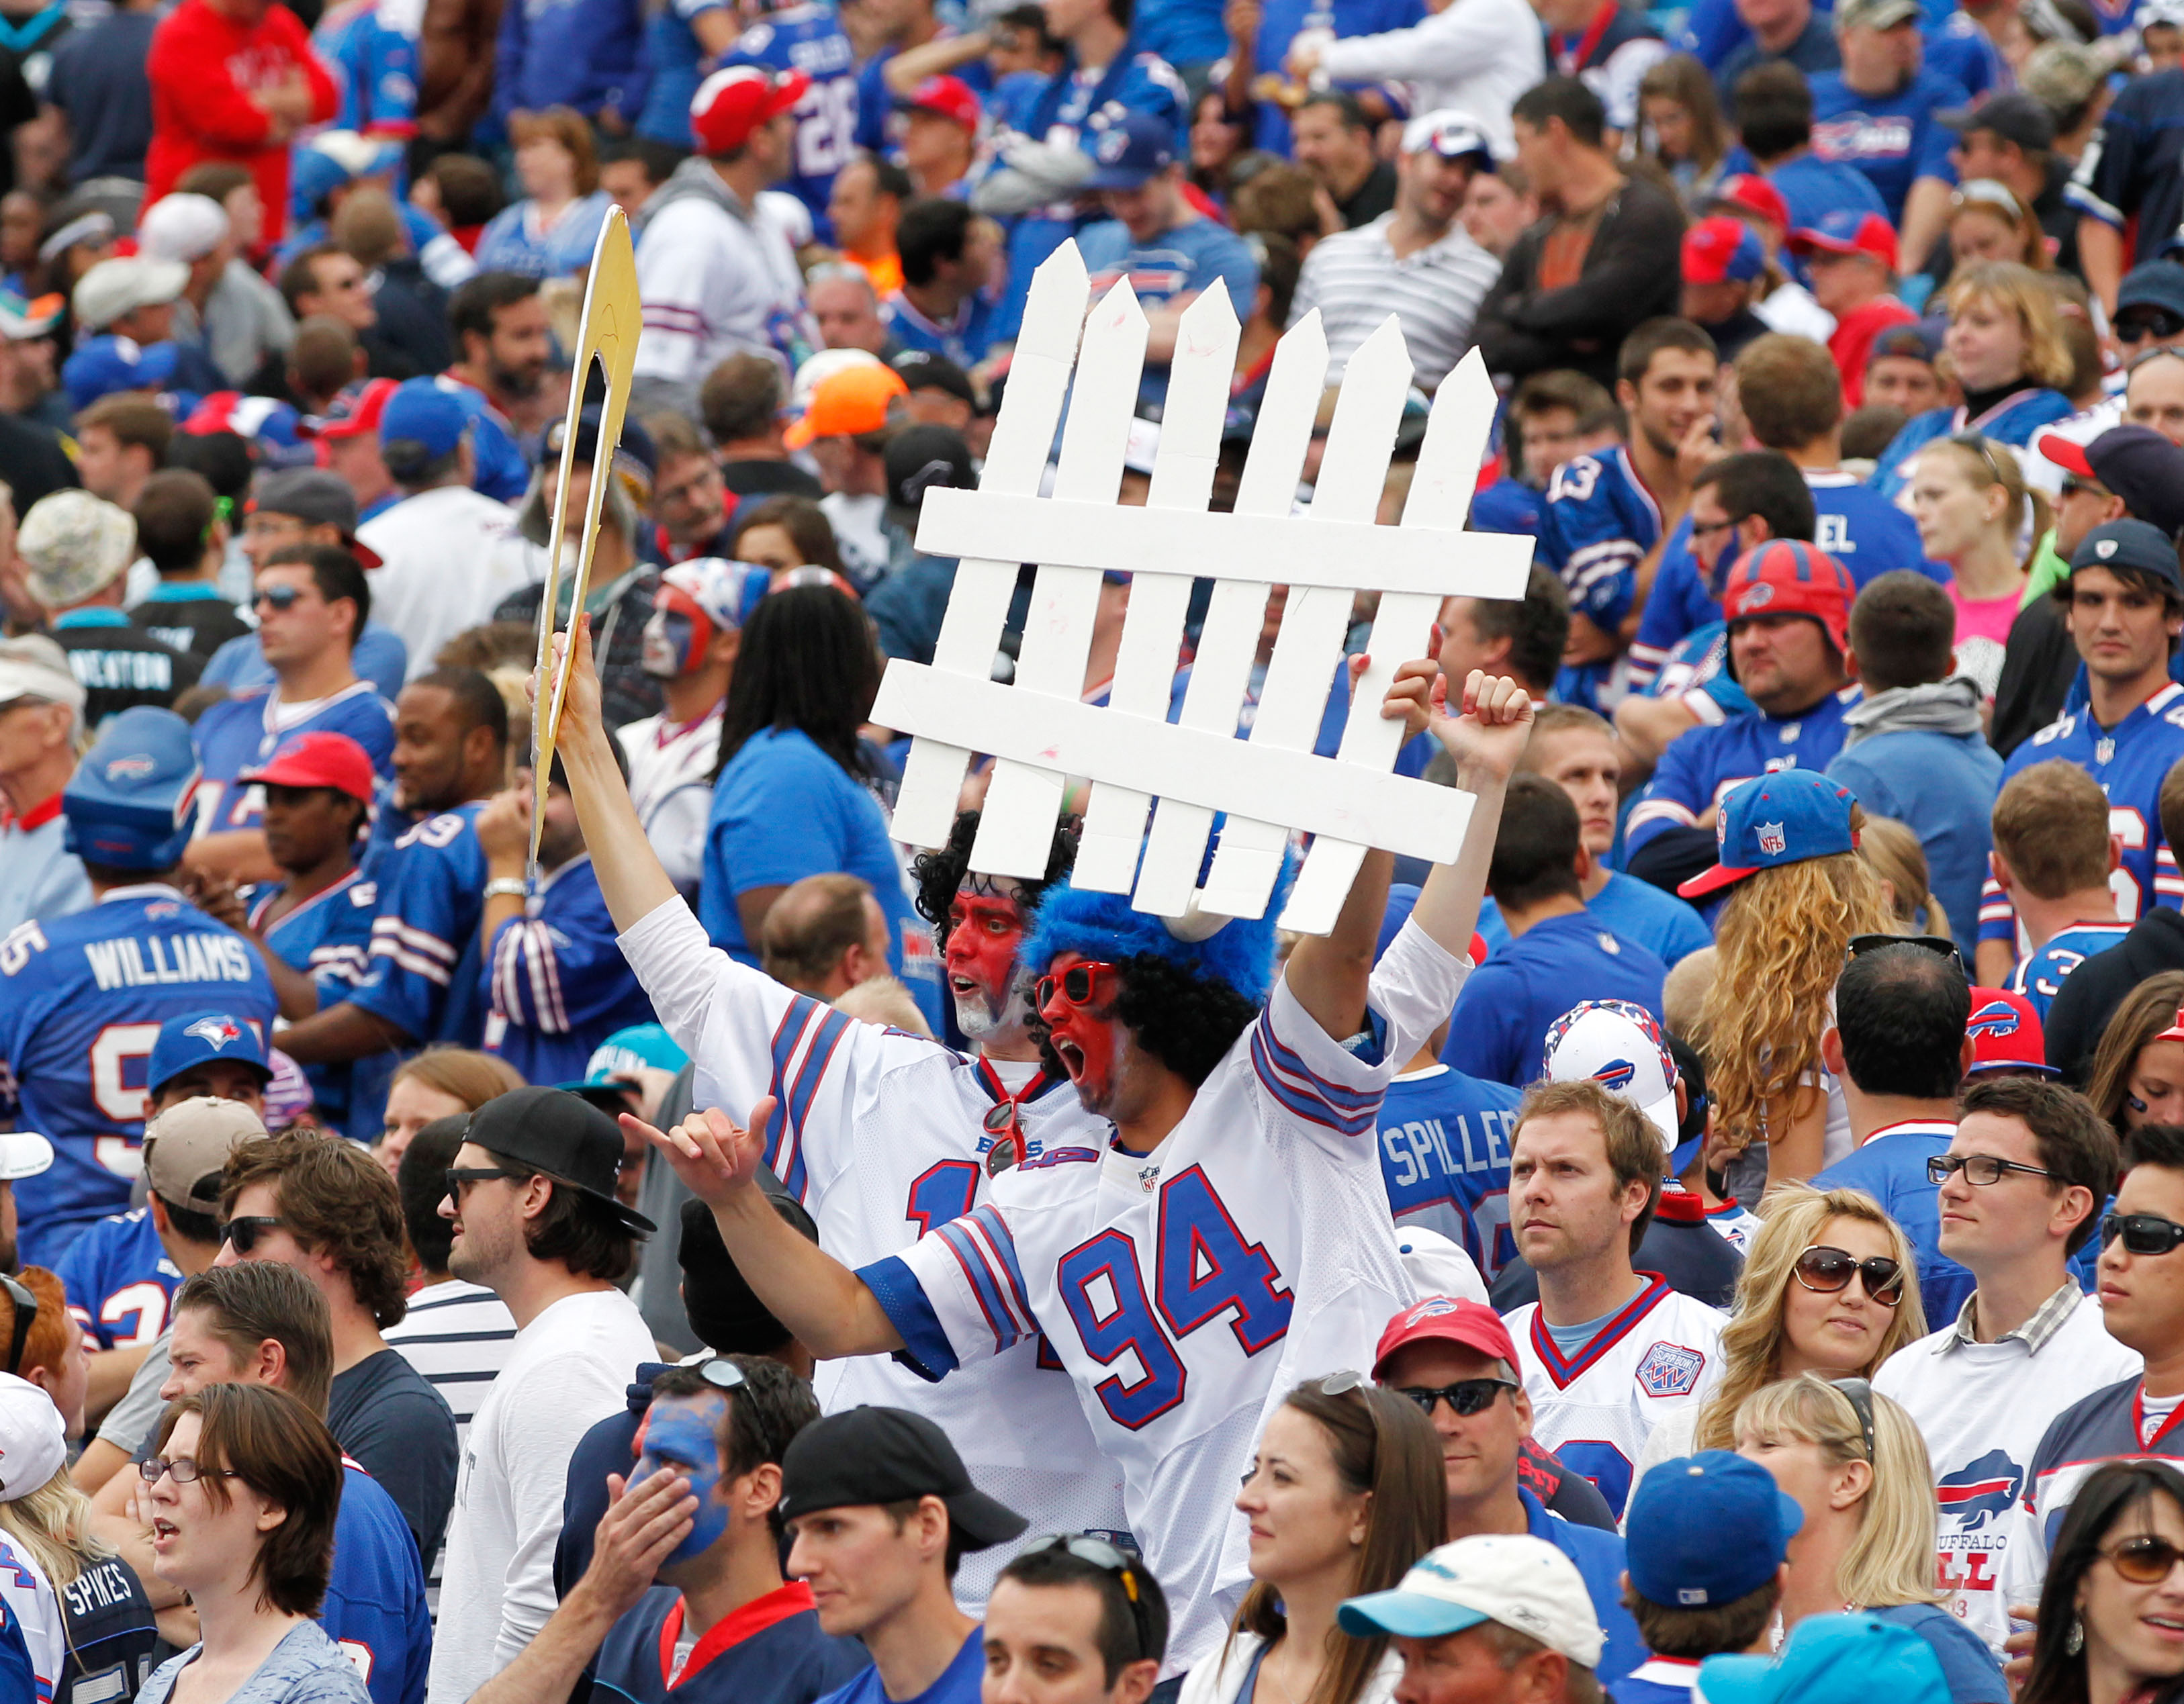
32, 1446
182, 227
1524, 1582
822, 366
1619, 1046
2166, 12
1438, 1266
122, 285
1449, 133
24, 1154
33, 667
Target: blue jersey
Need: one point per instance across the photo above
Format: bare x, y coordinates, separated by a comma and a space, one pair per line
81, 1000
556, 981
18, 1679
2014, 420
1893, 139
671, 64
424, 952
513, 242
1890, 1166
374, 60
374, 1604
380, 656
2039, 976
1698, 663
1665, 925
2135, 165
1180, 262
120, 1281
964, 339
328, 938
807, 39
1507, 505
1958, 49
1445, 1153
1499, 1028
242, 733
2129, 761
769, 1651
1812, 187
1599, 522
1700, 767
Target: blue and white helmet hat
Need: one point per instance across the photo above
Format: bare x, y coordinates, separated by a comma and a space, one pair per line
133, 800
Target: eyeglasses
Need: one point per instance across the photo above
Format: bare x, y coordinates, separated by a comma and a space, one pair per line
1940, 945
1976, 442
244, 1233
1467, 1396
1859, 1394
185, 1470
1076, 983
1828, 1270
1110, 1559
1981, 1169
276, 597
1341, 1383
2153, 322
2142, 1233
26, 1316
1700, 531
1005, 1125
458, 1175
2145, 1560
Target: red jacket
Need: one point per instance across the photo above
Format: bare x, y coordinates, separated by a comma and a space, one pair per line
203, 67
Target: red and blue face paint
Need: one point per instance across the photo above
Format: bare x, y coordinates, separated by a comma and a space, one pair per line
1076, 999
676, 635
985, 927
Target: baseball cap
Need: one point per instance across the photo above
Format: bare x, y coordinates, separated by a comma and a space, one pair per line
1437, 1265
1846, 230
1874, 14
1747, 192
561, 1135
2153, 284
1130, 153
1141, 448
923, 370
273, 428
1445, 1319
926, 458
1913, 342
1787, 577
2006, 1035
1524, 1582
33, 1446
133, 800
334, 157
732, 103
724, 1312
2016, 118
24, 1154
1722, 250
99, 366
75, 546
124, 284
2139, 466
952, 98
182, 227
187, 1146
356, 410
317, 758
1831, 1659
1704, 1530
636, 456
848, 404
817, 369
1619, 1044
869, 1454
2062, 76
421, 413
1449, 133
2129, 544
616, 1062
311, 494
22, 320
33, 667
203, 1039
1773, 819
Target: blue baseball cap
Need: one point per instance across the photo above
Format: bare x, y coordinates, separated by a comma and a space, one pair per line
1135, 148
2137, 545
1832, 1659
1704, 1530
615, 1062
103, 365
422, 413
1774, 820
133, 800
204, 1038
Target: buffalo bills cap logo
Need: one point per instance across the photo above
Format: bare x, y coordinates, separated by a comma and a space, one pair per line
132, 768
1756, 595
1773, 841
1997, 1018
216, 1033
1615, 1075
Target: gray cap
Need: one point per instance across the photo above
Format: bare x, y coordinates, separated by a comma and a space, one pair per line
124, 284
75, 545
1876, 14
311, 494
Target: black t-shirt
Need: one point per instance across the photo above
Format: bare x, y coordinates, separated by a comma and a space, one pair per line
1371, 199
765, 479
32, 461
120, 666
397, 1427
111, 1634
200, 626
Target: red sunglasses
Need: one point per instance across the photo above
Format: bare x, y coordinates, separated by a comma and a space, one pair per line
1076, 983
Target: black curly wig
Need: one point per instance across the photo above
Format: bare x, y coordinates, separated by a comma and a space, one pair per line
939, 874
1187, 1022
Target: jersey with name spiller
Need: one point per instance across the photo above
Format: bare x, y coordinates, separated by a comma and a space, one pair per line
1445, 1154
1189, 1289
1983, 1408
1658, 1355
81, 1000
2039, 976
880, 1135
2129, 761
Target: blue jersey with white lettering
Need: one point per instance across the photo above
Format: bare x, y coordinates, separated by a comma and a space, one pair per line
1894, 140
1599, 522
2039, 976
1445, 1152
374, 1604
807, 39
2129, 761
964, 339
1178, 262
81, 1000
424, 952
118, 1280
374, 64
556, 981
242, 733
328, 938
1700, 767
1698, 663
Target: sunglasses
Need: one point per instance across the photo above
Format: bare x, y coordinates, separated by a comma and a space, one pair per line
2145, 1560
1076, 983
1981, 1169
1976, 442
1467, 1396
1859, 1394
2157, 323
2155, 354
2073, 486
459, 1175
2142, 1233
1009, 1147
1711, 526
1827, 1270
1112, 1559
244, 1233
153, 1469
276, 597
26, 1316
1940, 945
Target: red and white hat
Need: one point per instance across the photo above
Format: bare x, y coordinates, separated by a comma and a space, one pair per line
730, 104
1446, 1319
2006, 1036
1787, 577
950, 97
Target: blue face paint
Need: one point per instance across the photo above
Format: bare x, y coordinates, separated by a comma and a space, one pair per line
681, 1435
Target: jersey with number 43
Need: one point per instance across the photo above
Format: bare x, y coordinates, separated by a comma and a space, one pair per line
1599, 522
1190, 1289
81, 1000
880, 1135
807, 39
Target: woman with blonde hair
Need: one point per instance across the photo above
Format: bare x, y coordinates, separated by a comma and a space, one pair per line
2006, 351
439, 1083
2138, 1075
1830, 1285
1970, 501
1853, 1462
1900, 863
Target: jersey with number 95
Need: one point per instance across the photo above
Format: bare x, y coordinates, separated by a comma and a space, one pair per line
807, 39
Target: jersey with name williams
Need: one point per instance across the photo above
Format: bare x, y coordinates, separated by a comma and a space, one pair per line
1189, 1289
81, 1000
881, 1135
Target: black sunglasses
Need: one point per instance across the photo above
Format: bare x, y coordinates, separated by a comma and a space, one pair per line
1112, 1559
2157, 322
458, 1175
1981, 1169
1860, 1393
1976, 442
26, 1316
2142, 1233
1828, 1270
244, 1233
1467, 1396
2145, 1560
276, 597
1940, 945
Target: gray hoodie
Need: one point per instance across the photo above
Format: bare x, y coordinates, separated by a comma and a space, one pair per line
1949, 707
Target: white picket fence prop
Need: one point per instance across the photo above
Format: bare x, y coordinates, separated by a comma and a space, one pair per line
1038, 730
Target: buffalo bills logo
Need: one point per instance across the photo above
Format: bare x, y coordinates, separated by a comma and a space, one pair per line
1433, 1307
216, 1033
130, 768
1615, 1075
1756, 596
1773, 841
1669, 1369
1997, 1018
1982, 1491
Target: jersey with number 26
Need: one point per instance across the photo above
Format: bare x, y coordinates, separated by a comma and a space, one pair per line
807, 39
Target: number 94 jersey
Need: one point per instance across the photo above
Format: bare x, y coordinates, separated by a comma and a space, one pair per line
807, 39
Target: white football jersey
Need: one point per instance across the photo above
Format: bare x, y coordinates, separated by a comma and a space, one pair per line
879, 1136
1983, 1408
1188, 1291
1657, 1355
671, 783
36, 1607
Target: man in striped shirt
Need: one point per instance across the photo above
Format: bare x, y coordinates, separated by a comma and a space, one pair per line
1416, 261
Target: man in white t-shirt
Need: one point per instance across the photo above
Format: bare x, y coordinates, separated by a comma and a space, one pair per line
2023, 1183
533, 1202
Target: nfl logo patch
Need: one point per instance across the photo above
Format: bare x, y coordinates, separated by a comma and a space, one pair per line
1772, 840
1670, 1370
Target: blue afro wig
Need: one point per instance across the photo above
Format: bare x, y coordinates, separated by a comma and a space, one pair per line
1240, 955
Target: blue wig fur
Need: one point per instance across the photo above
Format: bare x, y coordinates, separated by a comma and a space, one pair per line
1240, 953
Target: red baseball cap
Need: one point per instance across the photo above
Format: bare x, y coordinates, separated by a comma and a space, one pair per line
1754, 194
1846, 231
355, 411
1787, 577
2005, 1035
1446, 1319
952, 98
730, 104
2067, 453
317, 759
1722, 250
